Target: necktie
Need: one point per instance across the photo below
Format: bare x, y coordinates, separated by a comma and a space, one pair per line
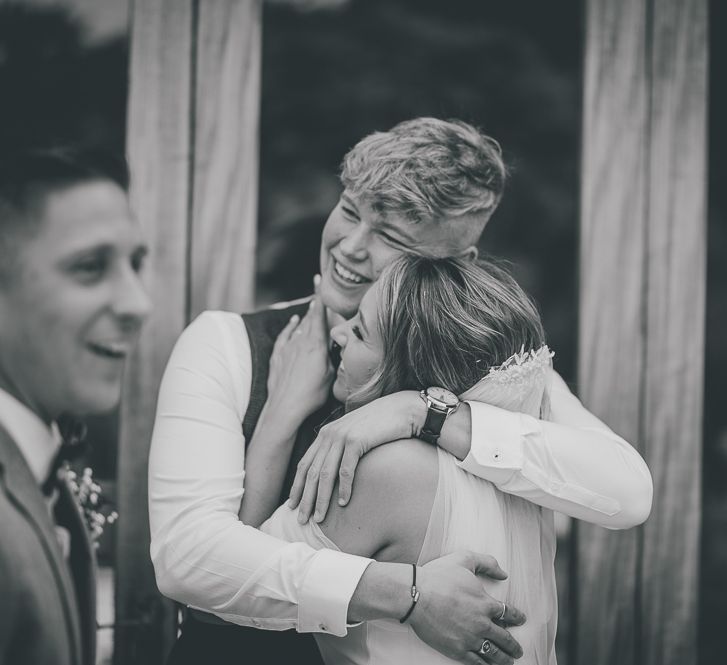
74, 446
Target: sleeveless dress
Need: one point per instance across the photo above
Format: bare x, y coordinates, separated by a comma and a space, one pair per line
467, 513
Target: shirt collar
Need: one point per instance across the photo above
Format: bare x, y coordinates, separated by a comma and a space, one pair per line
37, 442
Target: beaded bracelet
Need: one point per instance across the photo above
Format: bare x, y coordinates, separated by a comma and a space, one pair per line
414, 594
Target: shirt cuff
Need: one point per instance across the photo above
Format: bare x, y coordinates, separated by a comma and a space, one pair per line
327, 590
496, 450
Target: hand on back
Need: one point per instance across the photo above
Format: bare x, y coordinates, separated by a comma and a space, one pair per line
455, 614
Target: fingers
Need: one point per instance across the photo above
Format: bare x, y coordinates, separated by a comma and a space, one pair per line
327, 480
501, 641
305, 325
316, 455
296, 490
489, 652
286, 332
316, 320
487, 566
310, 491
321, 316
349, 462
480, 564
495, 656
314, 326
512, 617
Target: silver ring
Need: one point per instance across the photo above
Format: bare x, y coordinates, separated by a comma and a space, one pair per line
504, 609
486, 647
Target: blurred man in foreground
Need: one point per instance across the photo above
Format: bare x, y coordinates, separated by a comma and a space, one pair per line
71, 306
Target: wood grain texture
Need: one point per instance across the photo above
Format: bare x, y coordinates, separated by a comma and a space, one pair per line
159, 154
613, 208
676, 285
642, 316
192, 147
226, 155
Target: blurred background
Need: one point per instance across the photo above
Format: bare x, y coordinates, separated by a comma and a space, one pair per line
336, 70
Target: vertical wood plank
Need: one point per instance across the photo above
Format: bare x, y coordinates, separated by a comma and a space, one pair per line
613, 209
642, 316
226, 163
159, 154
192, 147
676, 285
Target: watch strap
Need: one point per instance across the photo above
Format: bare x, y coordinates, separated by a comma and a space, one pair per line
433, 424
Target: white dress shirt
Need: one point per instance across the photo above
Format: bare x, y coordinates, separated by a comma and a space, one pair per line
572, 463
38, 443
205, 557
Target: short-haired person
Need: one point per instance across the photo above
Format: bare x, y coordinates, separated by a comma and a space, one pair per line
425, 187
412, 502
71, 306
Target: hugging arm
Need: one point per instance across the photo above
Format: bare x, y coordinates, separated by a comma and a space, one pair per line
368, 526
572, 463
203, 555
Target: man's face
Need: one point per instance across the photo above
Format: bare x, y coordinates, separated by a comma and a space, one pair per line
71, 312
358, 243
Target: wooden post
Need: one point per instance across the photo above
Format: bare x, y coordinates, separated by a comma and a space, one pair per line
643, 277
225, 166
192, 147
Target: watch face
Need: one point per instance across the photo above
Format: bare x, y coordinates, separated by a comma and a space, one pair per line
446, 397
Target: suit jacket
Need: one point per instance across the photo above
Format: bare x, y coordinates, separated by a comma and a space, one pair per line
40, 620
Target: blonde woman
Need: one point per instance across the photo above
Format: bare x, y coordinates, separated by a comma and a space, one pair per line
470, 329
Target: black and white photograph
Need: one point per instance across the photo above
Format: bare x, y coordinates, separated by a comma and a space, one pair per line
363, 332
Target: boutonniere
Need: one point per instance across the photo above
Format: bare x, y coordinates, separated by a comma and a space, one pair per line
97, 510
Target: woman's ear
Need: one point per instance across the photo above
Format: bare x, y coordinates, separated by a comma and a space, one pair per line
469, 254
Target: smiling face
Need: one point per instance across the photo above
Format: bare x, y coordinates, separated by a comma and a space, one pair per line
358, 243
362, 349
72, 309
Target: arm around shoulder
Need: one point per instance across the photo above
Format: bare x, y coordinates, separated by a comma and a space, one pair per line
389, 509
203, 555
572, 463
617, 462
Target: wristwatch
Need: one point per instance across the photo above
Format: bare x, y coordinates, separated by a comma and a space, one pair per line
441, 403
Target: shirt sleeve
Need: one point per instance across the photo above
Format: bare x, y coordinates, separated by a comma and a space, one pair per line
572, 463
283, 524
203, 555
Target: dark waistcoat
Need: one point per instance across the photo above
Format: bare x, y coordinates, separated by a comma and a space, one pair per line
263, 329
207, 639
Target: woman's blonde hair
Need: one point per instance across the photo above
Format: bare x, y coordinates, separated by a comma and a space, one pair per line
447, 322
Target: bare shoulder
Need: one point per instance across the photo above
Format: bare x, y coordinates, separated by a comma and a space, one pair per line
393, 491
398, 460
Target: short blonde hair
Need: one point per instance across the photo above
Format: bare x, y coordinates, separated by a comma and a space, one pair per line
427, 169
